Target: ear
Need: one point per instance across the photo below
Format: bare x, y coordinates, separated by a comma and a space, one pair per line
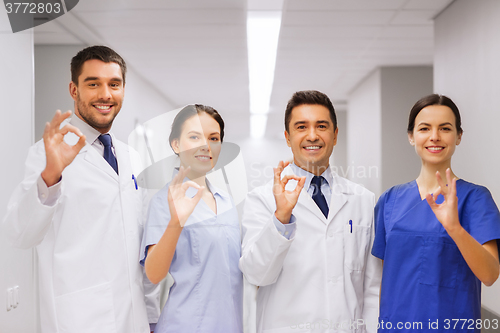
175, 146
335, 136
459, 138
73, 90
410, 139
287, 138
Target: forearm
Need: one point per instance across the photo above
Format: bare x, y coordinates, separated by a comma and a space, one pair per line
160, 256
481, 259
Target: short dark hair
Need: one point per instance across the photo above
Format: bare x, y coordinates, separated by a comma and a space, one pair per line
99, 52
434, 99
190, 111
309, 97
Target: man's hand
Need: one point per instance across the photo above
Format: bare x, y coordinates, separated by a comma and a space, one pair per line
57, 152
285, 200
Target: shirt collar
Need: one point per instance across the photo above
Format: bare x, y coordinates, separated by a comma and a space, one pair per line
327, 175
91, 134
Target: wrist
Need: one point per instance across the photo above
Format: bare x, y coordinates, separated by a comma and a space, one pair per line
455, 231
283, 217
50, 178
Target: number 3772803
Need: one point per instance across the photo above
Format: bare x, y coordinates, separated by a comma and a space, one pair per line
33, 8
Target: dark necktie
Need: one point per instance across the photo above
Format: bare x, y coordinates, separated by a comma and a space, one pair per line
108, 153
317, 196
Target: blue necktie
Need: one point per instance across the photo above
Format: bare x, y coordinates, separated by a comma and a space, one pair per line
317, 196
108, 153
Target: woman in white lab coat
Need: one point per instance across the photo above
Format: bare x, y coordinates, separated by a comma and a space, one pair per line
193, 232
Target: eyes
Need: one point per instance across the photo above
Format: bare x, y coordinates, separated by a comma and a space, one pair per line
304, 127
197, 137
113, 85
426, 129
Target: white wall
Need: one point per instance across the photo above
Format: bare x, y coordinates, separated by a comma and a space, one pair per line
16, 94
379, 154
364, 137
52, 76
401, 88
467, 69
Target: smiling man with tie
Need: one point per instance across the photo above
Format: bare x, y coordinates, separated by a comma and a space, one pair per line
79, 206
308, 234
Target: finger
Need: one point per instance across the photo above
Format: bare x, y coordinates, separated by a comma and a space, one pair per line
70, 128
286, 178
189, 184
437, 192
431, 201
199, 194
46, 131
300, 184
277, 175
285, 164
55, 122
441, 183
79, 145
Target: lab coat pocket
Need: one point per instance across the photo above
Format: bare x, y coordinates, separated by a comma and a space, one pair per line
439, 263
356, 241
86, 311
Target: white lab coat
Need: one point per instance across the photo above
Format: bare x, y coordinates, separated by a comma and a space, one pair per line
90, 279
323, 279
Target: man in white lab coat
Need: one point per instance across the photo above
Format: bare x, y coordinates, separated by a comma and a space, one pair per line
80, 207
308, 234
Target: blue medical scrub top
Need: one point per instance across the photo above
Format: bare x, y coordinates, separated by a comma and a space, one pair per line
207, 295
425, 277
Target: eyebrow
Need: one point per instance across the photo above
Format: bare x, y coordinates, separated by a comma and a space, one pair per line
196, 132
301, 122
443, 124
95, 78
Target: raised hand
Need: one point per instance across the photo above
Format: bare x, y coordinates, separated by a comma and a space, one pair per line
179, 204
57, 152
447, 211
285, 200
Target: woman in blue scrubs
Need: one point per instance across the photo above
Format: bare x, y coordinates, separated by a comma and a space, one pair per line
193, 232
437, 235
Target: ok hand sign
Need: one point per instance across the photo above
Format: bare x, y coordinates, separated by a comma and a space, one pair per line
285, 200
57, 152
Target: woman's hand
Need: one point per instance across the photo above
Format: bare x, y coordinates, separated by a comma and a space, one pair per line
447, 211
181, 206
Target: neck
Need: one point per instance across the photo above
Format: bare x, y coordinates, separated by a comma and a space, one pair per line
427, 177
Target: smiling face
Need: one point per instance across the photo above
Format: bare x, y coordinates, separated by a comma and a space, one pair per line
99, 93
312, 136
199, 144
435, 135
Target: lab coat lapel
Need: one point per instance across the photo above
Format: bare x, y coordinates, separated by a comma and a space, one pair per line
124, 166
340, 194
94, 158
308, 203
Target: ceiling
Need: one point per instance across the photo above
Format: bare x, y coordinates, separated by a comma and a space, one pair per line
195, 51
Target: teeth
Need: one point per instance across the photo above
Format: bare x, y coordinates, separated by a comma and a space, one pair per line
103, 107
312, 147
435, 148
203, 157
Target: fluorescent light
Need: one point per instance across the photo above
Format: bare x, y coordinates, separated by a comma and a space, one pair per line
263, 28
258, 125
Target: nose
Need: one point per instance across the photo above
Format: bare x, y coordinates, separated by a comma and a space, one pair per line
312, 135
435, 135
205, 145
104, 92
